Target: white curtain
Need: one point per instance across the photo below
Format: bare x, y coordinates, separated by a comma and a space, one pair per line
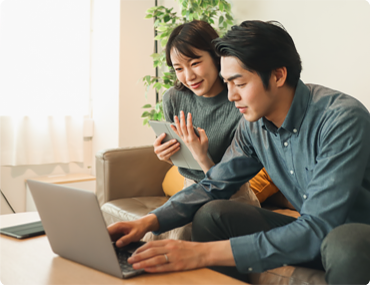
33, 140
44, 80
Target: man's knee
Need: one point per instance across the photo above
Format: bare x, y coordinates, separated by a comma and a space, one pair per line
346, 254
206, 220
223, 219
346, 241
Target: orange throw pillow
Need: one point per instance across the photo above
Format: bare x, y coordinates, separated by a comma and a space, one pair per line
262, 185
173, 182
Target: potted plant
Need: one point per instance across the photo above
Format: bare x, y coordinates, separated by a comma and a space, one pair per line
215, 12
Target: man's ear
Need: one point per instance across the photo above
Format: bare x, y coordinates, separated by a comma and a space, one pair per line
280, 75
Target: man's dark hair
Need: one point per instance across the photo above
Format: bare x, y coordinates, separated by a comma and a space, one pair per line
184, 38
262, 47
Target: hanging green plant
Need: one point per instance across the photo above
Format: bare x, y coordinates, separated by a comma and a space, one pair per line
216, 12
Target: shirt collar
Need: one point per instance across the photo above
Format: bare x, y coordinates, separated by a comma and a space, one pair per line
297, 111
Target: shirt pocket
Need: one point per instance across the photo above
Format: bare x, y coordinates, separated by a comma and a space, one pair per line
309, 173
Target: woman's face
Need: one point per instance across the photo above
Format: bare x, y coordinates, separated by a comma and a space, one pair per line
200, 75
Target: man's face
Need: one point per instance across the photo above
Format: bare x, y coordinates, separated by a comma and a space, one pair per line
247, 91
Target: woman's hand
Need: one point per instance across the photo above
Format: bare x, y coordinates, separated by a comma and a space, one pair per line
124, 233
197, 145
177, 255
164, 151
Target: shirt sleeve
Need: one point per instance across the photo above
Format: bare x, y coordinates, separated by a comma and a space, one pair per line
220, 182
334, 184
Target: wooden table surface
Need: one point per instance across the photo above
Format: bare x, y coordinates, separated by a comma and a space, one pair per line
31, 261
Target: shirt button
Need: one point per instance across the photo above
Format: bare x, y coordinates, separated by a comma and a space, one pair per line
304, 196
286, 144
292, 172
250, 269
295, 131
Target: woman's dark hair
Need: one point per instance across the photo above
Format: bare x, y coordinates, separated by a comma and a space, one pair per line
262, 47
186, 37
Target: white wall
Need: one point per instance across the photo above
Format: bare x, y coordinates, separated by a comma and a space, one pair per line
137, 44
105, 74
332, 38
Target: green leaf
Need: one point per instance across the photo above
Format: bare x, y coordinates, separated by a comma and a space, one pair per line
150, 10
145, 122
157, 86
220, 20
148, 16
145, 114
221, 5
166, 18
161, 28
147, 106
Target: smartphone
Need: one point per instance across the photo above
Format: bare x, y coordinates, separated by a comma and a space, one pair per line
24, 230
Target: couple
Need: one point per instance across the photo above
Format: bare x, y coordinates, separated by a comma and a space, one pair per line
313, 141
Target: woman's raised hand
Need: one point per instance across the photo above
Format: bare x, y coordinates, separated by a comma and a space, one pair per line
164, 151
197, 145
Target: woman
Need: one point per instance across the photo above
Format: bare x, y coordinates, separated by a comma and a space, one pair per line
200, 95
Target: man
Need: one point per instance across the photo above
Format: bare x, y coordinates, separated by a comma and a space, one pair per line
315, 144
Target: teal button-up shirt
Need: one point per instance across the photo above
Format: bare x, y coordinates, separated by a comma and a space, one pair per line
319, 159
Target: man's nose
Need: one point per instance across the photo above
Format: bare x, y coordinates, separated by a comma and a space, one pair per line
231, 93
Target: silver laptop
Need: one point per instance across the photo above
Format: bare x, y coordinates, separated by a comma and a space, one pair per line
77, 231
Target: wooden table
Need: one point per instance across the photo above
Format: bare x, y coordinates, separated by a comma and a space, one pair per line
31, 261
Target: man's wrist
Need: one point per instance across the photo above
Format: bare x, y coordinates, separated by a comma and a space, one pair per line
219, 253
151, 222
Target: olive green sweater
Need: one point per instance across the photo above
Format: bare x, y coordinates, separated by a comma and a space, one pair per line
216, 115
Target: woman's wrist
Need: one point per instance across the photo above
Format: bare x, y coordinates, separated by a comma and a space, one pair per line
206, 163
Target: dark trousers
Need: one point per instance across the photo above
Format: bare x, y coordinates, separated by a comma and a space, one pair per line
345, 251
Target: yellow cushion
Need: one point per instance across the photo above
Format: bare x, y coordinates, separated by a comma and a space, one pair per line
173, 182
263, 186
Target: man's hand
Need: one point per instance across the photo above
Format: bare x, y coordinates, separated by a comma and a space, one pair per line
124, 233
177, 255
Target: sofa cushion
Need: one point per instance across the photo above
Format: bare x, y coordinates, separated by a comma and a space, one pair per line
129, 209
288, 275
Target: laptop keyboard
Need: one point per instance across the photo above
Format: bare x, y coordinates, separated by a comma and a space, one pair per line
123, 254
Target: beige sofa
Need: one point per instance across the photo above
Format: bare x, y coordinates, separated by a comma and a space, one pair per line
129, 185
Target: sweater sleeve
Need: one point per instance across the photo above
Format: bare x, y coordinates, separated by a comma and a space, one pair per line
167, 105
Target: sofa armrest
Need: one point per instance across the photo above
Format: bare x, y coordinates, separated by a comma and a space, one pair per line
129, 172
